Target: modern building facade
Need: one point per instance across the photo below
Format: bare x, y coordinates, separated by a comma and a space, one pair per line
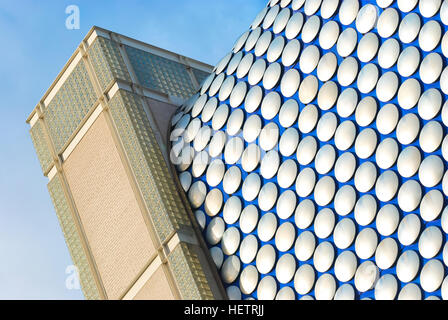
311, 162
315, 155
101, 136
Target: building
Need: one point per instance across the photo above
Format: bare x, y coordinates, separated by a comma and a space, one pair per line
313, 160
325, 134
101, 133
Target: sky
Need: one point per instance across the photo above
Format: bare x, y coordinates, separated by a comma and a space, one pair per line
35, 45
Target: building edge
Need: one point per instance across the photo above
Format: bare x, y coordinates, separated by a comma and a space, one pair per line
185, 253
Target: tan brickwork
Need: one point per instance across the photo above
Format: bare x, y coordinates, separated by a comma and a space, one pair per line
118, 202
108, 209
157, 287
72, 238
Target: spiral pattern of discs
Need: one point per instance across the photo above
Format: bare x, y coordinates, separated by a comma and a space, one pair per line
314, 156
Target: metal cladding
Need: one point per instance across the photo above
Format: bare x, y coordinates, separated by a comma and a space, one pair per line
315, 155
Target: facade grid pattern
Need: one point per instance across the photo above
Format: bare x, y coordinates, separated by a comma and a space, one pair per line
148, 164
41, 146
161, 74
72, 238
69, 106
107, 62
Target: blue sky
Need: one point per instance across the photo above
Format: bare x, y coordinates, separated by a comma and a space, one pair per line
35, 47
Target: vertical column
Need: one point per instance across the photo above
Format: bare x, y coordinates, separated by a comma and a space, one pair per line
77, 244
161, 249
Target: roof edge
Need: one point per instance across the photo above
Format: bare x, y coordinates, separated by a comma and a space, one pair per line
129, 39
